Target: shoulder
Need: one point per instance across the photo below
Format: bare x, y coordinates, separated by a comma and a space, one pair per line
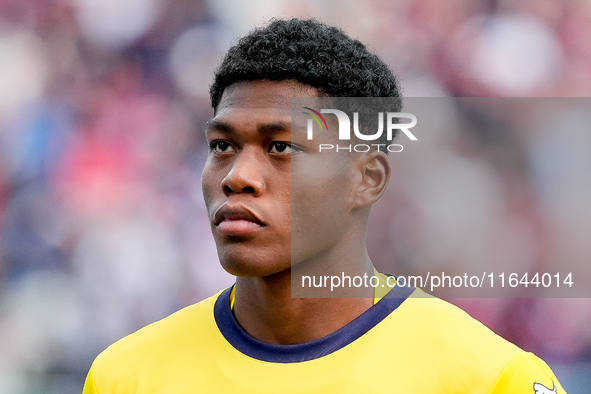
527, 373
447, 343
443, 322
185, 333
193, 318
458, 348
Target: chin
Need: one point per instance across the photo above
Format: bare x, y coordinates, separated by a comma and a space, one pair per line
255, 267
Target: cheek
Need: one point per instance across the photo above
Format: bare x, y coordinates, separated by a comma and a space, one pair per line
319, 209
321, 183
209, 183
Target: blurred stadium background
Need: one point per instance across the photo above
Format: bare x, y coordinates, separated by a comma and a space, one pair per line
102, 106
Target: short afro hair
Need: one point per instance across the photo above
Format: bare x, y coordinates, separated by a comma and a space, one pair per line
309, 52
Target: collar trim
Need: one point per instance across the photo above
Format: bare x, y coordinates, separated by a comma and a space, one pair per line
263, 351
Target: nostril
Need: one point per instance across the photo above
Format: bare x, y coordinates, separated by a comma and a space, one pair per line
246, 189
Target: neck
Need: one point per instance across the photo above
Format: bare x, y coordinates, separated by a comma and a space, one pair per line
265, 309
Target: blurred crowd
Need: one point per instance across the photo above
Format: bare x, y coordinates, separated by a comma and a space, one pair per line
102, 107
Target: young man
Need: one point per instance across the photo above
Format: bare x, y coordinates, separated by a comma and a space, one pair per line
276, 203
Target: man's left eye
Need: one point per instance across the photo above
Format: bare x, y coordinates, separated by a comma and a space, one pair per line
280, 147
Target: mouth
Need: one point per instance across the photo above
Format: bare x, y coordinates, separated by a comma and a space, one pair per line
237, 221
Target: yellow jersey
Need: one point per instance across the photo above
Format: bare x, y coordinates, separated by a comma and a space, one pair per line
407, 342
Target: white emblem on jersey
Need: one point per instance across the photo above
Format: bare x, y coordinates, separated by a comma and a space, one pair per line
541, 389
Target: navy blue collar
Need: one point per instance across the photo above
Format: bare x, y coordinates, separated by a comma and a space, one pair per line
254, 348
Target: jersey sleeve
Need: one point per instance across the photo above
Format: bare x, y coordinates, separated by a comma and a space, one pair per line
89, 385
526, 373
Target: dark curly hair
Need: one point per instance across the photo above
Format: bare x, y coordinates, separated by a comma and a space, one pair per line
310, 52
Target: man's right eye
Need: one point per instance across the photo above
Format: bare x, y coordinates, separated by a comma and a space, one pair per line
221, 147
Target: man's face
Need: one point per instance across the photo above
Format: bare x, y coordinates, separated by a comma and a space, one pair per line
261, 180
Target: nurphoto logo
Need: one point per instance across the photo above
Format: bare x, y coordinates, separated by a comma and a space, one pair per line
344, 122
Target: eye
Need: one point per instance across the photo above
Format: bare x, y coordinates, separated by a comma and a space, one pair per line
281, 147
221, 147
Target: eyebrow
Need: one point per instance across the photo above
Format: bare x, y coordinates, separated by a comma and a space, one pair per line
264, 128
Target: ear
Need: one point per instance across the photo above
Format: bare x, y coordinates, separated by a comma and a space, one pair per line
375, 172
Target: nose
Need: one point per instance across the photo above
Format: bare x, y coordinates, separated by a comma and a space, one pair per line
246, 175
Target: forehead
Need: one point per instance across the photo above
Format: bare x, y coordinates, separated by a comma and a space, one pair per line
272, 95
